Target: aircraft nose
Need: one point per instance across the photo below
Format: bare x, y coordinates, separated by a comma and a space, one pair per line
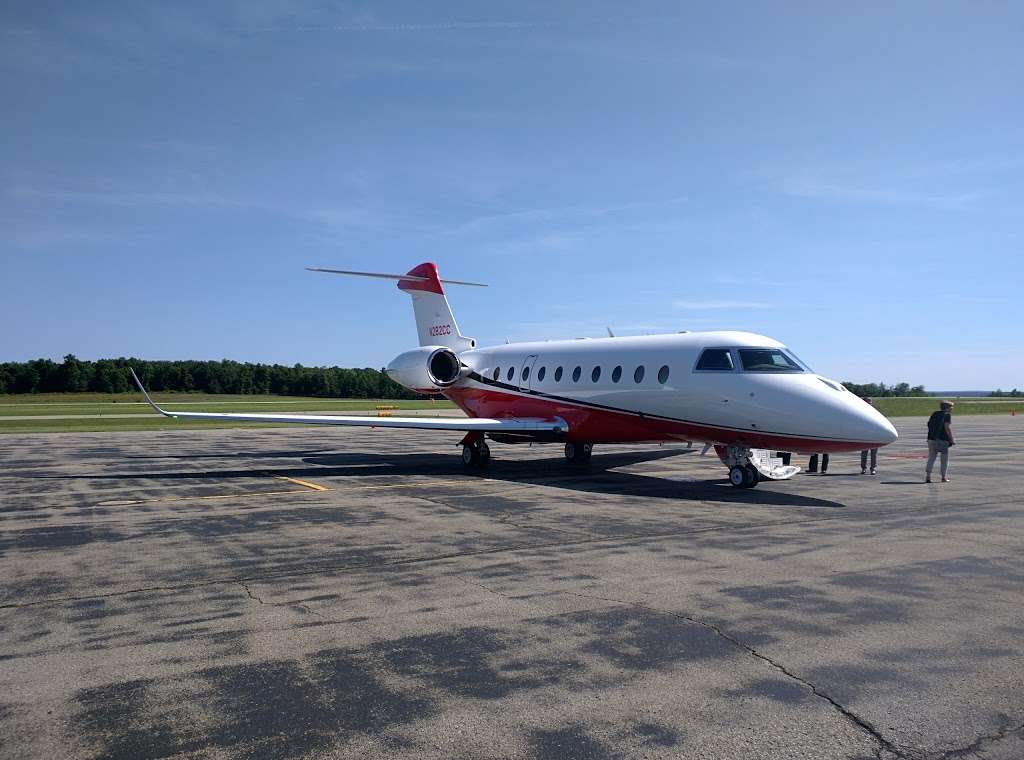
865, 423
885, 431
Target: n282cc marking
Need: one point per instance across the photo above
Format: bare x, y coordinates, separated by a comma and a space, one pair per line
436, 330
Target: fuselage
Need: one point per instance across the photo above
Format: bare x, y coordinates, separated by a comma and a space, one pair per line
732, 388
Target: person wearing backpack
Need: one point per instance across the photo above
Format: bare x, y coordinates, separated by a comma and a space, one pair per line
940, 438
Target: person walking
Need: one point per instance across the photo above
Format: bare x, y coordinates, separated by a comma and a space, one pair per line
865, 452
940, 438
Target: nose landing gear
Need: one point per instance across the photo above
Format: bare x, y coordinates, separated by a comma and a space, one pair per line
742, 473
744, 477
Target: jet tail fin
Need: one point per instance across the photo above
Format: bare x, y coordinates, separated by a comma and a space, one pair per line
435, 322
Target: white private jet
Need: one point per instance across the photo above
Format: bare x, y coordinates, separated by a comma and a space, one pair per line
746, 395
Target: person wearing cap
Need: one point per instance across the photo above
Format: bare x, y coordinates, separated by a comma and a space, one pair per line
865, 452
940, 438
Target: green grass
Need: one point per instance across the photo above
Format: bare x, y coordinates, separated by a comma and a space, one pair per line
133, 396
922, 407
66, 403
28, 408
101, 425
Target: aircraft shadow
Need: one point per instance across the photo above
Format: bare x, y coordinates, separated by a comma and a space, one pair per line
233, 455
601, 477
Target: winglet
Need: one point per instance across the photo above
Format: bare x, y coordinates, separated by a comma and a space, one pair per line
146, 395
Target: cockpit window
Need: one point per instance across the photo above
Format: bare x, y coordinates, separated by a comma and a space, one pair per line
767, 360
715, 359
798, 360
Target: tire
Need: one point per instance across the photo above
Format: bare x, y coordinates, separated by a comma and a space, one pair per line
578, 453
753, 477
738, 476
483, 455
470, 456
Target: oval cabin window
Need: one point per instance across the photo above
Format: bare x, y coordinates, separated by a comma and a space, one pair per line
617, 374
638, 376
663, 375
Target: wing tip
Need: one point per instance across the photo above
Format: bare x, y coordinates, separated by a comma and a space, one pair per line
145, 395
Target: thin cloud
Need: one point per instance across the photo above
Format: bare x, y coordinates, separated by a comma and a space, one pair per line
336, 218
840, 191
130, 198
683, 305
444, 26
569, 329
482, 223
439, 26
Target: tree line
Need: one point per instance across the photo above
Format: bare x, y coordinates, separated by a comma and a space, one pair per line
881, 390
112, 376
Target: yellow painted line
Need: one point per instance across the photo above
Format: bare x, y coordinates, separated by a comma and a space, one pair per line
304, 483
409, 485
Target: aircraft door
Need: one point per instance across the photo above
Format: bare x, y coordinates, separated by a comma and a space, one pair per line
526, 372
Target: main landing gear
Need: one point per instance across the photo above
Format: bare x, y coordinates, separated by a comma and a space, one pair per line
742, 473
476, 454
578, 454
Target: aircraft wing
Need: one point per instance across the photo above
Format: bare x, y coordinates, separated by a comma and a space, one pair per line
478, 424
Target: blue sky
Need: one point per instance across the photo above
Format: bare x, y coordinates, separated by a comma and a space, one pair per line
846, 178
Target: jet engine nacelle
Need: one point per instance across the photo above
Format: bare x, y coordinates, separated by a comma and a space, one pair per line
427, 369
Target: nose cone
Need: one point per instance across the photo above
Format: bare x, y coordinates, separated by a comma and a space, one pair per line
865, 423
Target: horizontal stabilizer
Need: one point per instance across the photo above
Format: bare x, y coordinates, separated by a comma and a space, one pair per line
459, 424
383, 276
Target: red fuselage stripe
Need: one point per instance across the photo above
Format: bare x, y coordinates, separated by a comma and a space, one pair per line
594, 424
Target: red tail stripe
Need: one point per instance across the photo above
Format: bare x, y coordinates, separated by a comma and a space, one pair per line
431, 285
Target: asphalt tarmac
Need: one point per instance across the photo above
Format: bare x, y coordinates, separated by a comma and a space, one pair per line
295, 592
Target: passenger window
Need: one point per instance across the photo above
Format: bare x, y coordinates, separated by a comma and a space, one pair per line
715, 359
638, 376
558, 375
663, 375
511, 373
616, 374
526, 374
595, 375
576, 374
540, 374
497, 372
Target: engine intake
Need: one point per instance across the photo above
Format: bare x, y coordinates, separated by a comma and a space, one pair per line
444, 367
427, 369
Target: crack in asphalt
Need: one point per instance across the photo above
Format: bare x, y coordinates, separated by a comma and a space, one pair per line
297, 605
862, 723
981, 742
249, 592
